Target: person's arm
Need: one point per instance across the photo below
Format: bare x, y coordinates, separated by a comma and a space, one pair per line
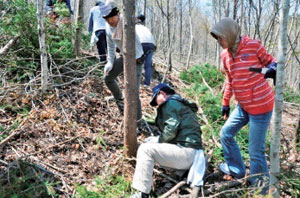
267, 60
91, 22
264, 57
111, 47
228, 86
171, 124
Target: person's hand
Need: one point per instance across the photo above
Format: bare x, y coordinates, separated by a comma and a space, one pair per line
151, 139
225, 112
271, 72
108, 67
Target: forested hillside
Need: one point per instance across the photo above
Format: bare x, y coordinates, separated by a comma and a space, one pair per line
61, 134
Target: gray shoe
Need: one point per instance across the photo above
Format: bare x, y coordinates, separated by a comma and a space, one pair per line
139, 195
136, 195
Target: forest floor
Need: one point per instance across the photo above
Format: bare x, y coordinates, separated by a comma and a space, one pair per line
75, 134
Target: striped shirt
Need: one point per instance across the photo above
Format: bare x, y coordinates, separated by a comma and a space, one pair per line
250, 89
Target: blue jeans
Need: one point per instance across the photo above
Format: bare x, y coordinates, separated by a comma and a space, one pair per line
101, 44
257, 136
148, 51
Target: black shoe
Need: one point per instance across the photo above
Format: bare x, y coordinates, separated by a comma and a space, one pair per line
120, 104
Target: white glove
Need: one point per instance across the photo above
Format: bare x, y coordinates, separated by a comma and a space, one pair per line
151, 139
108, 67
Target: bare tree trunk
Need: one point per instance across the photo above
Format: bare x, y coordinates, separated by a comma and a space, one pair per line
44, 64
227, 11
235, 9
130, 113
277, 118
191, 36
169, 36
78, 19
242, 16
297, 135
180, 31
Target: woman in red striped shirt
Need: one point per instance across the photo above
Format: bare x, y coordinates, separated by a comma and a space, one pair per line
254, 95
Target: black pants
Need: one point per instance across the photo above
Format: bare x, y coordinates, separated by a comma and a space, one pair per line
101, 44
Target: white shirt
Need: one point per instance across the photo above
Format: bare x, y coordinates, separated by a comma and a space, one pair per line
144, 34
96, 22
112, 44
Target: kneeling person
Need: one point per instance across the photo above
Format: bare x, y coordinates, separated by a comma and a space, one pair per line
178, 143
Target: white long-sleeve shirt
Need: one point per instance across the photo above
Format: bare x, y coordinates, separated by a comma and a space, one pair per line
144, 34
113, 43
96, 22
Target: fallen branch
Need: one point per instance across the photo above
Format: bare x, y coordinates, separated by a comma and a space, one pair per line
3, 162
206, 84
4, 50
165, 176
172, 190
13, 134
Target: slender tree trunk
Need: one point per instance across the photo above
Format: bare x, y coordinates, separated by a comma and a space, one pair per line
227, 10
130, 113
78, 19
180, 31
297, 136
242, 16
276, 124
235, 9
145, 8
191, 35
169, 36
42, 41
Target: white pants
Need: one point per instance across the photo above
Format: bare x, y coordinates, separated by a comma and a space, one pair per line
167, 155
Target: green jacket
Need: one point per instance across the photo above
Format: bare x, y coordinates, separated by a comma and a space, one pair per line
177, 120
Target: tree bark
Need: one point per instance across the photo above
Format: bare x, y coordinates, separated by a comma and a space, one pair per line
130, 111
276, 124
180, 31
191, 35
42, 42
78, 19
297, 135
242, 16
235, 5
227, 10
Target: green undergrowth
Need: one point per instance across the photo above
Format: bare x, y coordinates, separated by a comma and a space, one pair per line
20, 112
291, 96
23, 60
105, 187
25, 180
290, 181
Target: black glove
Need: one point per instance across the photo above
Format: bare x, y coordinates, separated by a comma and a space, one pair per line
271, 72
225, 111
